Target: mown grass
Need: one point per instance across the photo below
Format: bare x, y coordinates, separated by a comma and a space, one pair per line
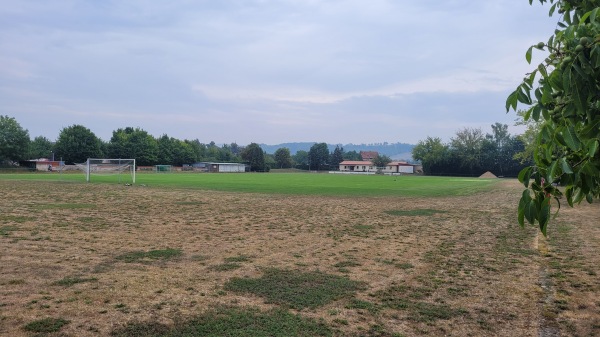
141, 256
414, 300
226, 321
16, 218
6, 230
45, 325
294, 183
426, 272
296, 289
70, 281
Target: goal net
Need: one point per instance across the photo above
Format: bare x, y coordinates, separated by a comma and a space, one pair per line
162, 168
124, 169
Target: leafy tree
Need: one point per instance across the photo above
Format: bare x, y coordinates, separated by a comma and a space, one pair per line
172, 151
318, 155
498, 150
301, 159
183, 153
134, 143
14, 140
198, 148
467, 147
226, 153
532, 129
166, 150
352, 155
381, 161
40, 147
566, 102
337, 156
255, 156
212, 152
431, 152
269, 162
76, 144
283, 158
235, 149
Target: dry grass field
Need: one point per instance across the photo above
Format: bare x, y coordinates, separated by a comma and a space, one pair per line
99, 260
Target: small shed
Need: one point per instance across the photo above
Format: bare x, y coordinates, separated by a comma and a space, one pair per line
42, 164
221, 167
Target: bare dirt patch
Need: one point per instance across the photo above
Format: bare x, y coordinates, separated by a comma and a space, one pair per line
463, 268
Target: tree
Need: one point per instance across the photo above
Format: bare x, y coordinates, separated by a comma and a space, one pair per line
269, 162
283, 158
77, 143
431, 152
134, 144
212, 152
183, 153
466, 146
566, 101
166, 150
532, 129
301, 159
40, 147
352, 155
198, 148
255, 156
318, 155
14, 140
337, 156
381, 161
499, 150
235, 149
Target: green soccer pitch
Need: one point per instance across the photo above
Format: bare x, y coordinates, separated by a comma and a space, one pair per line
321, 184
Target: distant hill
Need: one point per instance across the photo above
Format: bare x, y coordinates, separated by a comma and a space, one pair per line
395, 151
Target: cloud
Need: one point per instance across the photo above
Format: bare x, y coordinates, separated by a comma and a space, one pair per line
265, 70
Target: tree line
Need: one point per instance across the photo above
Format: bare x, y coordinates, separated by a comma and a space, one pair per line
471, 153
76, 143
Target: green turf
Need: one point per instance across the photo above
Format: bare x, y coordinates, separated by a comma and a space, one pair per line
290, 183
231, 322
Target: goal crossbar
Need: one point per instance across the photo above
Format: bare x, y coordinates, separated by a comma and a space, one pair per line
108, 166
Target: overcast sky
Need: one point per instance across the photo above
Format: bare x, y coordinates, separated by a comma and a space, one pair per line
266, 71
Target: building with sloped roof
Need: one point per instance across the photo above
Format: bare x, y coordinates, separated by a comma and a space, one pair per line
395, 167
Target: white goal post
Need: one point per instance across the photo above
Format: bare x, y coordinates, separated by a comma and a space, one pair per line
108, 166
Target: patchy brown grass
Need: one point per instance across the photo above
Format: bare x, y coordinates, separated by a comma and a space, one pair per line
464, 268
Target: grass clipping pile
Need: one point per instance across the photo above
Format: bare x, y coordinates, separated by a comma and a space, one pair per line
100, 260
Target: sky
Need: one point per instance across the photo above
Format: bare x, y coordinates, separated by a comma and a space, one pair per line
267, 71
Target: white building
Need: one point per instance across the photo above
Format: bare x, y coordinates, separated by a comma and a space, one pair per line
394, 167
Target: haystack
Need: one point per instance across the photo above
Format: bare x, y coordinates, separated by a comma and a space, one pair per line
488, 175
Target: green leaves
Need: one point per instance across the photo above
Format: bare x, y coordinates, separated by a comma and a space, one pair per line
511, 101
567, 110
525, 175
528, 54
544, 215
531, 209
521, 94
571, 139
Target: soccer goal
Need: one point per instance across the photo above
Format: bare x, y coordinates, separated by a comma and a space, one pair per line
162, 168
124, 169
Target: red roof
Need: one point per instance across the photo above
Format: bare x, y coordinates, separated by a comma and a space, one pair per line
366, 155
368, 163
354, 162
